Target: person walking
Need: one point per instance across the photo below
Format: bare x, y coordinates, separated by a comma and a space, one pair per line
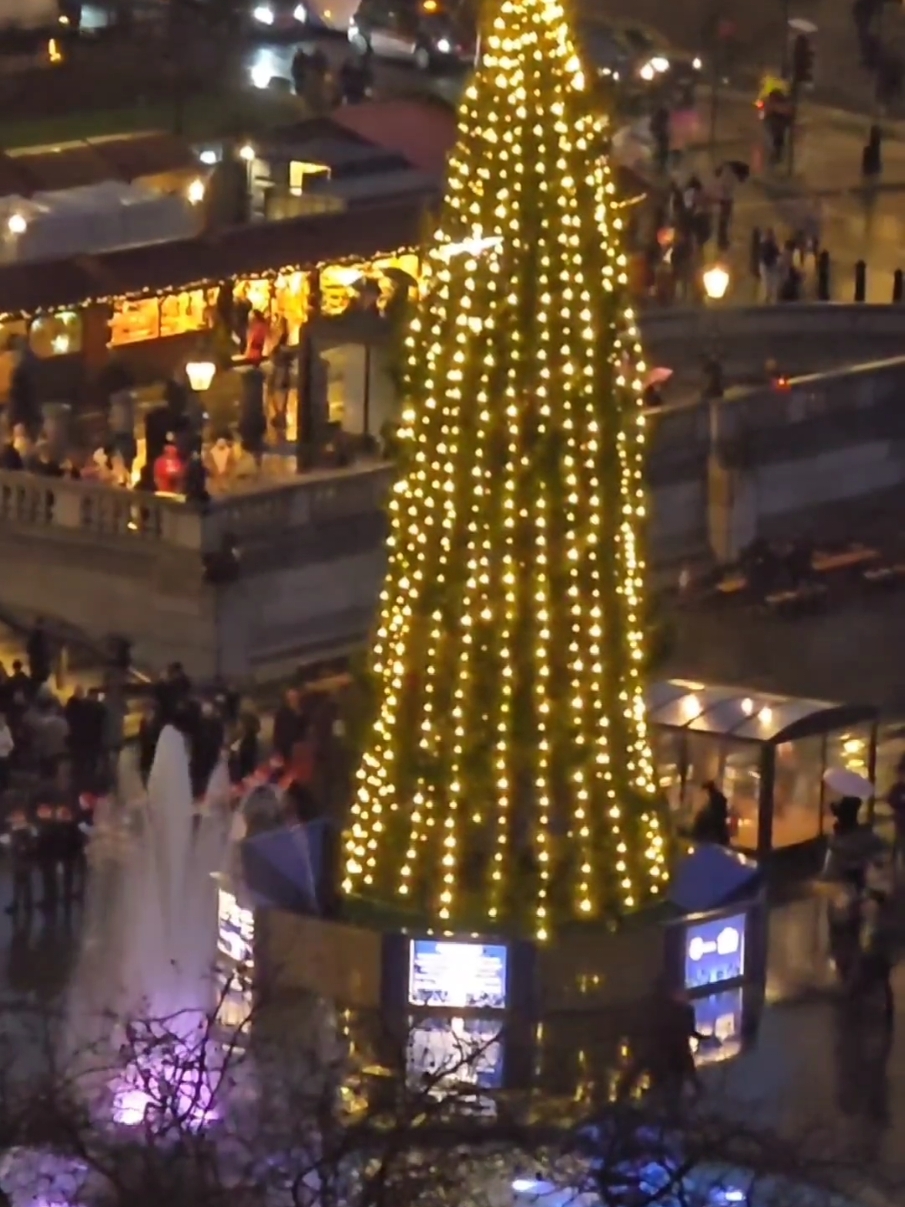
22, 851
660, 133
7, 746
289, 725
711, 822
37, 652
726, 181
895, 798
769, 266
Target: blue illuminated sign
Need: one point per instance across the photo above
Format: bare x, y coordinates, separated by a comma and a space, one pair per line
715, 951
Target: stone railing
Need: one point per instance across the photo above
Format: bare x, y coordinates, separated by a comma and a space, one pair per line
60, 505
829, 322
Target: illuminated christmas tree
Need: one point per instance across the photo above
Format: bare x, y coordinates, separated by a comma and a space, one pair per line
507, 776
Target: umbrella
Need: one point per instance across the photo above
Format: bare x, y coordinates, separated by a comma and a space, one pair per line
399, 277
848, 783
658, 377
738, 168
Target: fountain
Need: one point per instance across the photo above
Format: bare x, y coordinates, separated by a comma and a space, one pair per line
143, 991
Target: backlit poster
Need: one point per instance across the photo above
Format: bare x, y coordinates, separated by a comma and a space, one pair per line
456, 975
715, 951
463, 1050
235, 962
718, 1017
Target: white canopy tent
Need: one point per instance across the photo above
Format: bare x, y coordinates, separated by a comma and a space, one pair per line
94, 218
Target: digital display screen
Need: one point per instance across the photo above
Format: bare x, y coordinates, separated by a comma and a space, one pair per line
718, 1017
464, 1050
715, 951
447, 974
235, 931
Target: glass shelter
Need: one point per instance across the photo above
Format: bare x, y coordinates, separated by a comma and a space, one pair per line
767, 753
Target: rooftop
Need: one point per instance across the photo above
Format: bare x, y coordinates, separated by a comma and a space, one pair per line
746, 714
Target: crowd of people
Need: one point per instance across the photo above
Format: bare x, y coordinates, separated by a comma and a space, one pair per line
58, 758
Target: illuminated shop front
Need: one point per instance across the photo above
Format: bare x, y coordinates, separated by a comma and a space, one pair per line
288, 294
766, 753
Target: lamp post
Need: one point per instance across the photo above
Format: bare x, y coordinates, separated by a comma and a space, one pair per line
716, 282
200, 374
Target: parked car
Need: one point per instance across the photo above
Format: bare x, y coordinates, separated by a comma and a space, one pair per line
637, 59
428, 32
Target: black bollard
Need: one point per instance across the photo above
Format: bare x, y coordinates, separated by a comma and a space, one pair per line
754, 262
898, 281
860, 281
823, 276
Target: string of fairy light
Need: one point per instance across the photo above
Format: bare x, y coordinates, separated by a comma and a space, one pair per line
523, 188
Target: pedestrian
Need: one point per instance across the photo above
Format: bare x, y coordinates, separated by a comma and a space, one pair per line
895, 798
664, 1047
92, 732
245, 750
70, 852
37, 651
790, 281
148, 733
878, 951
49, 733
660, 133
47, 849
289, 725
711, 822
22, 849
7, 746
849, 851
769, 266
726, 182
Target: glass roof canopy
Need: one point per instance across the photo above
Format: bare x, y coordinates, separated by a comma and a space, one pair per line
747, 715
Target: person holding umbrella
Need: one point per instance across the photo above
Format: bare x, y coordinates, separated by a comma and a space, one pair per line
851, 850
655, 379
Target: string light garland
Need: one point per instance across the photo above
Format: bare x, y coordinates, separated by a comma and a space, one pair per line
507, 776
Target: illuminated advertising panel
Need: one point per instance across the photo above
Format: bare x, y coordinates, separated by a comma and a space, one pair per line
456, 975
715, 951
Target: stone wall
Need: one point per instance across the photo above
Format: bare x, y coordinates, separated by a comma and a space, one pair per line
311, 549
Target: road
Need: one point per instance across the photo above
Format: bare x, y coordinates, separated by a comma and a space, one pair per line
826, 170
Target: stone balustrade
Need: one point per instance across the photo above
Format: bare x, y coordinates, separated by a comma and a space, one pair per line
255, 512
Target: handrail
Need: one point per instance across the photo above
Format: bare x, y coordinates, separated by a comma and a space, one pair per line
97, 509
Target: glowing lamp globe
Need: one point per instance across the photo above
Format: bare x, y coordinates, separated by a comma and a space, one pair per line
716, 282
200, 374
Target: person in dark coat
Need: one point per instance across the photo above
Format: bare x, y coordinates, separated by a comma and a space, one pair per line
711, 822
206, 747
10, 457
22, 854
195, 481
289, 725
148, 733
663, 1048
37, 650
70, 851
245, 751
47, 855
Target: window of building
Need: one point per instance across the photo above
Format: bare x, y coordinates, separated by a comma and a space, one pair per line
257, 290
13, 334
735, 768
669, 759
291, 301
134, 321
299, 170
182, 312
57, 334
797, 784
